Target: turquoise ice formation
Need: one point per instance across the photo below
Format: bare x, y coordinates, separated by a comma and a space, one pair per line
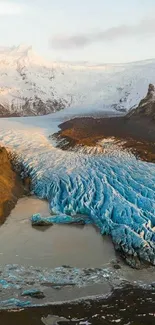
34, 293
37, 219
116, 192
12, 302
116, 195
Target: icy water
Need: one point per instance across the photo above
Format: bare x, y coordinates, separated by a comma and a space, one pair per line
59, 245
50, 247
63, 262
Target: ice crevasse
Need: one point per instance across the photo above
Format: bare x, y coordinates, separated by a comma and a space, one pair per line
116, 192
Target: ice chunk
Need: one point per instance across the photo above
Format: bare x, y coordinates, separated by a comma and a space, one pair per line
14, 303
38, 220
34, 293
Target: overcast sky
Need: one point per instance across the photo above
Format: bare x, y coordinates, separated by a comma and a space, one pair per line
81, 30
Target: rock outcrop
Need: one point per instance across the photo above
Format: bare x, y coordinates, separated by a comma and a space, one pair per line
146, 107
134, 131
11, 186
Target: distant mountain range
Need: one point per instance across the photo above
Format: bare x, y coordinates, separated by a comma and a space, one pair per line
29, 85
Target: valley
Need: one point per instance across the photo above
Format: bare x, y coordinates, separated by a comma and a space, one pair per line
85, 161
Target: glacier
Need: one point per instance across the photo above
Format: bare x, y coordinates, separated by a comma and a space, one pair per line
117, 197
115, 191
31, 85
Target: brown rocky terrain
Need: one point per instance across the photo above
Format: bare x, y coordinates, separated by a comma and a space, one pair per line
135, 131
11, 186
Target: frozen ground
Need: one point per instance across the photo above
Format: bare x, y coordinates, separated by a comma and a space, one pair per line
115, 190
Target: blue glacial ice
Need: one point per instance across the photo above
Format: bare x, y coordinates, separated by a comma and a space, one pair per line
34, 293
38, 220
12, 302
115, 191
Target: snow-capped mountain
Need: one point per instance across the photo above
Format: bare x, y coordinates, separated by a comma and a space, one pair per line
29, 85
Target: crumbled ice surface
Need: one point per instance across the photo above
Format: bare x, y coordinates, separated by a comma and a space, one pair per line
116, 191
12, 302
22, 286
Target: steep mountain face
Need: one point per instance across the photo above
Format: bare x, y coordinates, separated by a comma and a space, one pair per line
31, 86
25, 84
11, 186
146, 107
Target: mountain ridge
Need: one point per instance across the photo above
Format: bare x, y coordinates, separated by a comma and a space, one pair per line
30, 85
146, 107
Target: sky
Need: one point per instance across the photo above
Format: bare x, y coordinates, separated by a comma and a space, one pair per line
81, 30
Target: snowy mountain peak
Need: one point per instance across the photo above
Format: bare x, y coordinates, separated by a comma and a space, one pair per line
30, 85
20, 53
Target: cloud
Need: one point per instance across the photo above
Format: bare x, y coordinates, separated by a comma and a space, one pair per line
143, 28
10, 8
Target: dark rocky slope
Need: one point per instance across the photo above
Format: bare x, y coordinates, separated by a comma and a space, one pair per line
146, 108
11, 186
136, 130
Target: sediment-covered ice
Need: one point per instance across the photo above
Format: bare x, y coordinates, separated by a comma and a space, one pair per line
116, 191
